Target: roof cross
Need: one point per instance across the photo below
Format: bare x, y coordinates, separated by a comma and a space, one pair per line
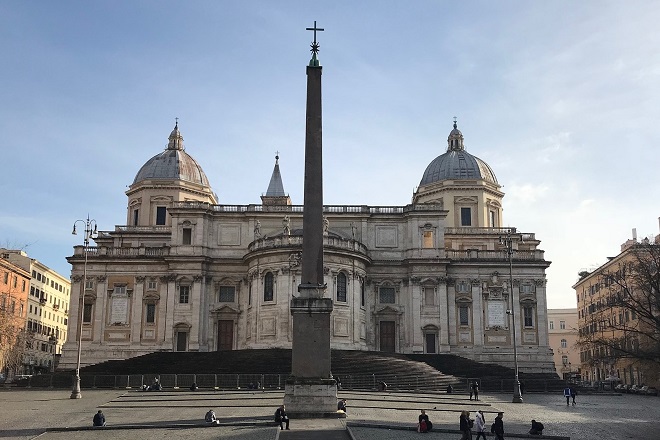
315, 45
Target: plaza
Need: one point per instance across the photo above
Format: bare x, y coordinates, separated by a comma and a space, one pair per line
131, 414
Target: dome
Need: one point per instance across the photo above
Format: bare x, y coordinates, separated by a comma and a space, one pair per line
173, 163
457, 164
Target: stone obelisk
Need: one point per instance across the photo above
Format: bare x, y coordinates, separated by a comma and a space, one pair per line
311, 391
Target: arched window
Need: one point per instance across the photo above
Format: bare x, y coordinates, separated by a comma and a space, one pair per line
341, 287
564, 343
268, 287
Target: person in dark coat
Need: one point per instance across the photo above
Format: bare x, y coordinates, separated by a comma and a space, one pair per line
99, 419
465, 425
537, 428
427, 425
281, 418
474, 389
498, 427
341, 405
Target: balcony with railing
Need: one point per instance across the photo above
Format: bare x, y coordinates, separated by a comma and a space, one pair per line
500, 255
284, 241
131, 252
328, 209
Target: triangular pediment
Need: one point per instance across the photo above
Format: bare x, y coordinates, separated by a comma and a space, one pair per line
226, 310
388, 310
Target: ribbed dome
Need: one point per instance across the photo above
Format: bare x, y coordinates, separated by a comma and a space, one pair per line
457, 164
173, 163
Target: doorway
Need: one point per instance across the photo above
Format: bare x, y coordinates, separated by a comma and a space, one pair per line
225, 335
430, 342
387, 336
181, 341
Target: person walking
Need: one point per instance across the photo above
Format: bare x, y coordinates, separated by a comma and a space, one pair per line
573, 394
480, 424
498, 427
475, 390
567, 394
465, 425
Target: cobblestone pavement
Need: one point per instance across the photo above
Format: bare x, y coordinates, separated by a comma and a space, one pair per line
25, 414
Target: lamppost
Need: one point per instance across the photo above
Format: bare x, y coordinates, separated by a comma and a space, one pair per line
89, 233
507, 241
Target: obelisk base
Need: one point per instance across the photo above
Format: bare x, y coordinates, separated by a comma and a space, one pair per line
311, 398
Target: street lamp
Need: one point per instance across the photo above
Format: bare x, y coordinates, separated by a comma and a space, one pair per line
89, 233
507, 241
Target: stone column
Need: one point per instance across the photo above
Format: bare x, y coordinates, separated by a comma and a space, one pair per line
136, 310
444, 323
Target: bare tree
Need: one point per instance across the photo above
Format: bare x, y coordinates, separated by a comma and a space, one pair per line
625, 324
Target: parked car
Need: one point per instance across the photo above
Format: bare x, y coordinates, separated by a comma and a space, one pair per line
651, 391
642, 390
634, 389
625, 388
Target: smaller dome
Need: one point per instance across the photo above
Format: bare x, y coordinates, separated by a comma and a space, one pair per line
457, 164
173, 163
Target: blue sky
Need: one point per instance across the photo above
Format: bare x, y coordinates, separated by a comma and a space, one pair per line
560, 98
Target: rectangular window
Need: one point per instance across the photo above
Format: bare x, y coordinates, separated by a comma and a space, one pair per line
528, 316
23, 288
120, 289
6, 281
151, 285
89, 284
463, 287
552, 325
526, 288
429, 296
187, 236
160, 215
226, 294
87, 313
464, 315
427, 242
184, 294
362, 294
562, 325
250, 295
136, 216
466, 216
493, 223
151, 313
387, 295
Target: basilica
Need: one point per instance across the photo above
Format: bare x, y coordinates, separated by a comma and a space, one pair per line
188, 273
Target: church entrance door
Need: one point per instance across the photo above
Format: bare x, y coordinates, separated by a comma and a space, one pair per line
430, 342
225, 335
181, 341
387, 336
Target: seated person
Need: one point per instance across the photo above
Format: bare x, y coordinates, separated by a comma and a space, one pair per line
341, 405
450, 389
382, 386
424, 424
99, 419
537, 428
281, 417
210, 417
194, 387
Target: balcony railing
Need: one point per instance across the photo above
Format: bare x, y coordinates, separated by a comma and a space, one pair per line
330, 209
296, 241
476, 254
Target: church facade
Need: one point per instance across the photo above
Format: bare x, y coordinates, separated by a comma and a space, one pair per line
187, 273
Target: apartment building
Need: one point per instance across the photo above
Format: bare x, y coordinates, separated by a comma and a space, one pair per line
14, 283
563, 338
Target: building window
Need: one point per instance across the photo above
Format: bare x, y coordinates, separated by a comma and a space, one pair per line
386, 295
250, 295
564, 360
562, 325
160, 215
268, 286
226, 294
87, 313
341, 287
362, 294
427, 240
151, 313
464, 316
552, 325
184, 294
120, 290
6, 281
528, 316
151, 285
136, 216
493, 219
187, 236
466, 216
89, 284
564, 343
462, 287
429, 296
526, 288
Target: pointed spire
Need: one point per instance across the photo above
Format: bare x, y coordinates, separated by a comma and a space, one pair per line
275, 187
175, 140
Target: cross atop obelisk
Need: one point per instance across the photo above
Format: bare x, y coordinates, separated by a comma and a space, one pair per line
315, 45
